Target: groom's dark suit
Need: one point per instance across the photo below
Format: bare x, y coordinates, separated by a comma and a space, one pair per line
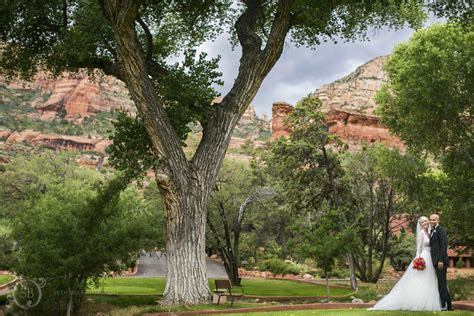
439, 253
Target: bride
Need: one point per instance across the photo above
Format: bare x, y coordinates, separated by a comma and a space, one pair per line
416, 290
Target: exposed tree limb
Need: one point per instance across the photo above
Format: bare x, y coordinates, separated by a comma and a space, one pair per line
149, 38
122, 15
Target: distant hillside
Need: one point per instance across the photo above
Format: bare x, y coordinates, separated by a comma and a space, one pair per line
75, 112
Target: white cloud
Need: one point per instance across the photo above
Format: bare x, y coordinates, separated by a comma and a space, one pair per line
302, 70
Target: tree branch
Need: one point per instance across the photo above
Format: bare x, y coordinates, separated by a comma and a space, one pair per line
255, 64
149, 38
122, 14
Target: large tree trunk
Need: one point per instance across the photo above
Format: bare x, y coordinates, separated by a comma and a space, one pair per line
185, 244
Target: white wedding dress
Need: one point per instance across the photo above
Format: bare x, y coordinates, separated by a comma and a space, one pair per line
416, 290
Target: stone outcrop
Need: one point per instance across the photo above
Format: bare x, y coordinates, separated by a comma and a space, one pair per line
348, 104
4, 134
355, 128
75, 95
280, 111
354, 92
62, 142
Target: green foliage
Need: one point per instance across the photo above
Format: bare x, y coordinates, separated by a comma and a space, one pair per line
131, 151
7, 246
341, 20
428, 103
431, 85
460, 288
402, 251
323, 239
231, 213
154, 203
384, 184
278, 266
460, 264
83, 38
72, 225
301, 162
188, 91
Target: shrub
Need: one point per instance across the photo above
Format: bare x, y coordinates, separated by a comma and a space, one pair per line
367, 294
460, 263
278, 266
460, 288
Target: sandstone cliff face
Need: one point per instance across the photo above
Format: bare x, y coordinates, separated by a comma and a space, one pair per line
348, 104
280, 111
354, 129
54, 141
354, 92
75, 96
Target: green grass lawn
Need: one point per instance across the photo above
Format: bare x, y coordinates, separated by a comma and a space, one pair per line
352, 312
156, 286
6, 278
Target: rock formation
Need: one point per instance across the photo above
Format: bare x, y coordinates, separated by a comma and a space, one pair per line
74, 96
280, 111
348, 104
62, 142
354, 92
355, 128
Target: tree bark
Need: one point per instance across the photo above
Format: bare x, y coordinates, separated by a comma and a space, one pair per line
186, 279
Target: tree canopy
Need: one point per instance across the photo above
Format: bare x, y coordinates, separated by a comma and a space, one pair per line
428, 102
429, 99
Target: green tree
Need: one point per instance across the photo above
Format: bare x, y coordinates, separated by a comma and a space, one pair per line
402, 250
385, 186
233, 198
324, 239
132, 39
76, 230
428, 102
307, 164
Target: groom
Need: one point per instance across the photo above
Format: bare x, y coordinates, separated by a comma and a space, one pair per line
439, 255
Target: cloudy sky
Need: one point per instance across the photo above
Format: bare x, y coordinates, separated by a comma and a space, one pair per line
300, 70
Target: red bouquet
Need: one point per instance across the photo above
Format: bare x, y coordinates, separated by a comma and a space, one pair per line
419, 264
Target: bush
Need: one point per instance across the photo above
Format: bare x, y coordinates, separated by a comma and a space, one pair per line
460, 263
339, 274
460, 288
401, 251
367, 294
278, 266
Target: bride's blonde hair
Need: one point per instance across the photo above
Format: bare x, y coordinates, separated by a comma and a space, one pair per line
422, 218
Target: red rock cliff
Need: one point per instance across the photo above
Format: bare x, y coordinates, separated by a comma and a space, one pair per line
348, 104
76, 95
280, 111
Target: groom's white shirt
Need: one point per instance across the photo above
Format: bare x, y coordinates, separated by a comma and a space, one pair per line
433, 230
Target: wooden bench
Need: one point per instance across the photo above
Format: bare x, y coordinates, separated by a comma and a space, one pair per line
224, 288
